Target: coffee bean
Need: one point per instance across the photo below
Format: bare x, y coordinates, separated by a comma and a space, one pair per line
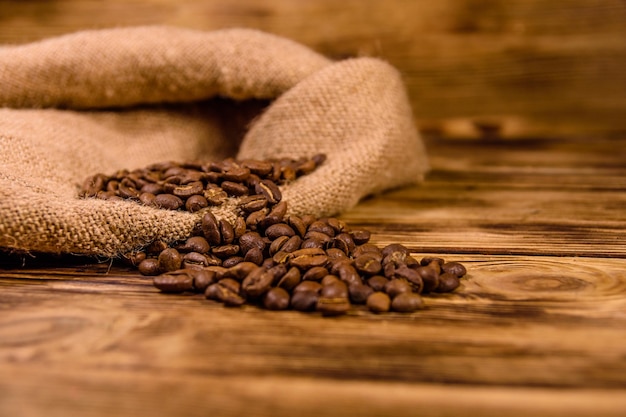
360, 237
187, 190
305, 262
258, 282
147, 199
291, 278
332, 306
315, 273
280, 229
377, 282
211, 229
394, 247
321, 227
251, 240
174, 282
168, 202
215, 196
447, 282
276, 299
429, 275
407, 302
334, 289
225, 251
395, 287
234, 188
454, 268
304, 300
149, 266
297, 225
202, 278
430, 259
227, 232
378, 302
195, 260
292, 244
134, 258
232, 261
169, 260
241, 270
367, 265
254, 255
359, 293
269, 190
253, 203
195, 244
195, 203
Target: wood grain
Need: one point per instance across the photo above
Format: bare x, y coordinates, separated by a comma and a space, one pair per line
525, 67
536, 328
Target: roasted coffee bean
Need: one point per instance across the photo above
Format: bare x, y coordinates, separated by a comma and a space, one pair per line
347, 273
211, 229
297, 225
234, 188
305, 262
367, 248
334, 289
232, 261
332, 306
215, 196
220, 271
258, 282
454, 268
236, 174
225, 292
251, 240
195, 244
254, 255
168, 202
261, 168
407, 302
447, 282
187, 190
195, 260
312, 243
360, 237
430, 259
429, 275
292, 244
280, 229
359, 293
321, 227
291, 278
254, 219
304, 300
241, 270
318, 236
127, 192
368, 265
170, 260
202, 278
195, 203
276, 299
334, 253
134, 258
347, 243
279, 210
395, 287
394, 247
269, 190
412, 276
253, 203
377, 282
225, 251
277, 244
174, 282
239, 227
156, 246
147, 199
149, 267
227, 232
338, 226
329, 279
315, 273
378, 302
308, 286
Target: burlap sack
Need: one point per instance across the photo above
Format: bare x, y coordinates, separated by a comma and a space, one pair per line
99, 101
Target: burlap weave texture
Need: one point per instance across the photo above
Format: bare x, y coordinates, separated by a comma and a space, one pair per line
99, 101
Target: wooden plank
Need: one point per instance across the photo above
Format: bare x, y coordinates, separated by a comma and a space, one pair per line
528, 67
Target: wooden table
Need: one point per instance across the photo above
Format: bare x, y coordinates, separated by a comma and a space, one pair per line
538, 327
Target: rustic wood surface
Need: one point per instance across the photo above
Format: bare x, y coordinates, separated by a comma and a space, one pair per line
538, 327
542, 68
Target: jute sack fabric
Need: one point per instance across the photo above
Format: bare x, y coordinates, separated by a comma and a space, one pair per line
99, 101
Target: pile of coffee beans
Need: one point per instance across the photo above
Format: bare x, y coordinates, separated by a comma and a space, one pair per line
267, 257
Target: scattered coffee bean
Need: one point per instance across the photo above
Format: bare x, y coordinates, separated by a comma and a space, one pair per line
266, 256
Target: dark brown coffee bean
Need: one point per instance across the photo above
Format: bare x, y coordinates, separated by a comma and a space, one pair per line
276, 299
225, 251
329, 279
282, 257
134, 258
170, 260
226, 293
291, 278
367, 248
368, 265
318, 236
396, 287
261, 168
232, 261
304, 300
277, 244
430, 276
195, 260
308, 286
147, 199
251, 240
232, 284
396, 258
407, 302
152, 188
412, 276
430, 259
254, 255
315, 273
220, 271
377, 282
267, 221
227, 232
234, 188
279, 211
334, 289
378, 302
149, 266
292, 244
334, 253
269, 190
394, 247
254, 219
126, 191
187, 190
174, 282
236, 174
215, 196
202, 278
359, 293
312, 243
447, 282
360, 237
168, 202
239, 227
411, 262
258, 282
241, 270
253, 203
194, 244
347, 273
305, 262
156, 247
211, 229
454, 268
280, 229
332, 306
297, 225
196, 203
321, 227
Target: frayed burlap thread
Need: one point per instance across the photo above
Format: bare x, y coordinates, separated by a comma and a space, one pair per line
104, 100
